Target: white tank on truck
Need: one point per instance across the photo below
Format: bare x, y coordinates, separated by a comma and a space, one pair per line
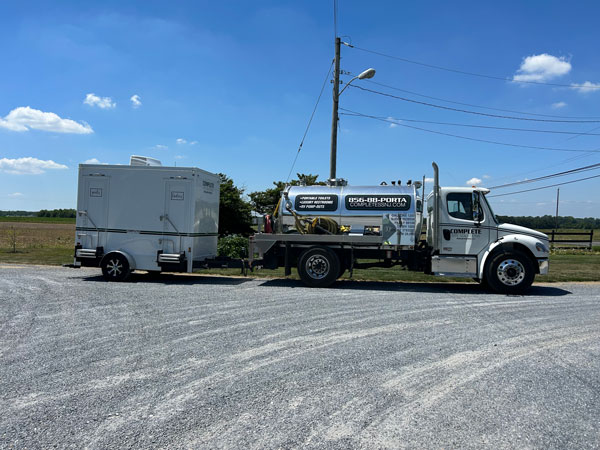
393, 211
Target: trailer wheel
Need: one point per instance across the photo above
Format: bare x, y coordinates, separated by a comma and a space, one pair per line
115, 267
318, 267
510, 273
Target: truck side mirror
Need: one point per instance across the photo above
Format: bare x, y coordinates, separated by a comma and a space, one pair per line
476, 207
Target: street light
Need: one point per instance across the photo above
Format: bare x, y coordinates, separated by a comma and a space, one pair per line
369, 73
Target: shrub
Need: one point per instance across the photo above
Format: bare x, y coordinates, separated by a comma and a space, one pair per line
234, 246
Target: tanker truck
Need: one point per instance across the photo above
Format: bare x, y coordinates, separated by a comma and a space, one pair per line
327, 230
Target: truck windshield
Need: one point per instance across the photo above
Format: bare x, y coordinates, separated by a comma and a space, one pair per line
490, 208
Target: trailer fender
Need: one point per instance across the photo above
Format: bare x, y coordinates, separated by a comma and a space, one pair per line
526, 244
129, 258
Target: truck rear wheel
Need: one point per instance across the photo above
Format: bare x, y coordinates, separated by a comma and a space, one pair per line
318, 267
115, 267
510, 273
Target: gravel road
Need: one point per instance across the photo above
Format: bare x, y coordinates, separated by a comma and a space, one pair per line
211, 362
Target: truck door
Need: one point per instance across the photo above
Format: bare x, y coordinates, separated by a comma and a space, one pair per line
94, 216
465, 229
177, 214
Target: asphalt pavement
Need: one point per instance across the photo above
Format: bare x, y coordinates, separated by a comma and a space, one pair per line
213, 362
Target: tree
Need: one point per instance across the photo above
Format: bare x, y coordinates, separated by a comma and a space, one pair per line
264, 202
57, 213
234, 212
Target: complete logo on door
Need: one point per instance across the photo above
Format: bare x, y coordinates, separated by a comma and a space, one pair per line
176, 195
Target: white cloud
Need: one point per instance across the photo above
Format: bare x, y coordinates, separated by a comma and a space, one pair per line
181, 141
179, 157
15, 195
428, 180
558, 105
193, 142
25, 118
93, 161
392, 122
586, 87
473, 181
542, 67
100, 102
160, 147
486, 177
28, 166
136, 101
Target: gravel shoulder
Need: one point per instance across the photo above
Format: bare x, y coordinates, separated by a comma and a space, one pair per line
229, 362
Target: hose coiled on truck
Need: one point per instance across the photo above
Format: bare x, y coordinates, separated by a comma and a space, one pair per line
318, 225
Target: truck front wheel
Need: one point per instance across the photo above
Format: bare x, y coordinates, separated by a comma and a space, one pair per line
115, 267
510, 273
318, 267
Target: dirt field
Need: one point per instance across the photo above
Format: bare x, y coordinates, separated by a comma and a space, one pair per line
37, 235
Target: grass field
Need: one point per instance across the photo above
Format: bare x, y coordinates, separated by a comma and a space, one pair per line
52, 243
47, 242
38, 219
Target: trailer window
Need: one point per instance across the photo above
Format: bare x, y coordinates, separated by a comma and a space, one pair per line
460, 205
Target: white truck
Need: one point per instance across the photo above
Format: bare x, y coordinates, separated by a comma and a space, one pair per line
326, 230
145, 216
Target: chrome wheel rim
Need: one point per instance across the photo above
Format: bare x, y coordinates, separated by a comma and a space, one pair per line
511, 272
114, 268
317, 267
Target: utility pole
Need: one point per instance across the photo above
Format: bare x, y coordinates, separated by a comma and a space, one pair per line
334, 119
556, 219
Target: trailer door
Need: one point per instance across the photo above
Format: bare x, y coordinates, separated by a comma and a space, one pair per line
94, 216
177, 214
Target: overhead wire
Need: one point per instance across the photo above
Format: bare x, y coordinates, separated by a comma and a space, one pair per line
477, 106
553, 175
466, 111
354, 113
593, 129
561, 163
465, 72
310, 121
545, 187
487, 126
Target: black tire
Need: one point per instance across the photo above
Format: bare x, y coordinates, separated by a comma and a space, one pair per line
510, 273
318, 267
115, 267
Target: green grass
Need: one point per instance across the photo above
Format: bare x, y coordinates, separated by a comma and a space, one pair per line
563, 267
48, 256
49, 240
38, 219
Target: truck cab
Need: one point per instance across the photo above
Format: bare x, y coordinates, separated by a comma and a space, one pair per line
466, 240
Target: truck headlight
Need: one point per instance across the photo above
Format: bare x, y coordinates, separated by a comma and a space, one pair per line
541, 247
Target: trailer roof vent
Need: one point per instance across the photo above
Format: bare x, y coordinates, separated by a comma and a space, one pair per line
143, 161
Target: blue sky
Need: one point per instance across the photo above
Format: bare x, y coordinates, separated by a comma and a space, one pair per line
229, 87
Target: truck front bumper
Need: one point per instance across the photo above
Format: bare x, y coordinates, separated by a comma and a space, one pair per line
543, 265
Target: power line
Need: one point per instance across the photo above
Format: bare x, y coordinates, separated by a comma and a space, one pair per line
433, 105
545, 187
561, 163
553, 175
593, 129
489, 127
354, 113
309, 122
463, 72
476, 106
